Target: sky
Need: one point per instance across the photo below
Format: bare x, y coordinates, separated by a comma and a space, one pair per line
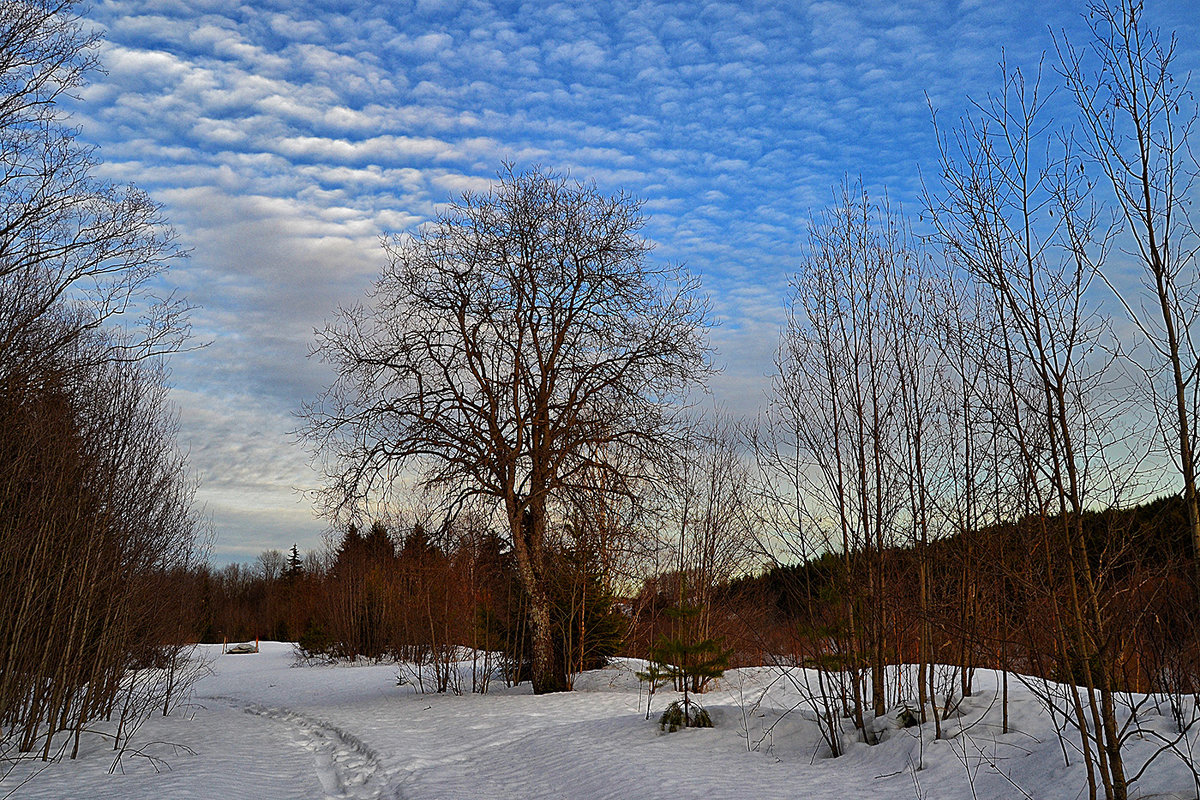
284, 139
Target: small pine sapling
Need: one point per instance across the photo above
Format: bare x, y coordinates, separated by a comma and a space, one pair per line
690, 665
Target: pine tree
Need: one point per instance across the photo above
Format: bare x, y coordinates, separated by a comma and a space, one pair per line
689, 664
295, 565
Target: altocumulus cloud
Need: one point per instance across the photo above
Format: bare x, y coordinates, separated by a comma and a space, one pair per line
286, 138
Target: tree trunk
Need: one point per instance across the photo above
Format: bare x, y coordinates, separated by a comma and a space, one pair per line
547, 674
527, 526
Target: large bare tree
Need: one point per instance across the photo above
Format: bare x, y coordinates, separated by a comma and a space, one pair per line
514, 348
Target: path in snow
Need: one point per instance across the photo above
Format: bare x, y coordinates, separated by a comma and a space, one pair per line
347, 768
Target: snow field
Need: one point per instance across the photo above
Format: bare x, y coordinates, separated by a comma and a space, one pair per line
261, 727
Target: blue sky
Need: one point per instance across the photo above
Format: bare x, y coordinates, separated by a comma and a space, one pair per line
284, 139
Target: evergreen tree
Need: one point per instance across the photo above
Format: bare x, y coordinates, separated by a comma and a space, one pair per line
689, 663
295, 565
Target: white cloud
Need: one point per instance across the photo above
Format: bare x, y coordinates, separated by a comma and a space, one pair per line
378, 148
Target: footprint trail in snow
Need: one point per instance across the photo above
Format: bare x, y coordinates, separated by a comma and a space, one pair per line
347, 768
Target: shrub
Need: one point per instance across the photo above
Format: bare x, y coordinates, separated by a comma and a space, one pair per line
679, 716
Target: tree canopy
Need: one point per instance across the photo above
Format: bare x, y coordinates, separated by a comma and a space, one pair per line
519, 348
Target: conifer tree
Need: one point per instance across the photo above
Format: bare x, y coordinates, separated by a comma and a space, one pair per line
689, 663
295, 565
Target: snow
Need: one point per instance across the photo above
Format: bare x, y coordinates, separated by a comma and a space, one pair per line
261, 726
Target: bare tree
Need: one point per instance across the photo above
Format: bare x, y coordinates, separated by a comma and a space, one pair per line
914, 296
834, 428
1138, 122
95, 503
514, 349
68, 238
1017, 217
94, 513
710, 524
271, 564
977, 487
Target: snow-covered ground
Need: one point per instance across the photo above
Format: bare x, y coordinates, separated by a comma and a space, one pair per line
261, 727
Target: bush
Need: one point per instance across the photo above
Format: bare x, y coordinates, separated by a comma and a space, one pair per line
314, 643
679, 716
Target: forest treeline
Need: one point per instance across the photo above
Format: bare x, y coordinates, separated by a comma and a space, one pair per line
431, 600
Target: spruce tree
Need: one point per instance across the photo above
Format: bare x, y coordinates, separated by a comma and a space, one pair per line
295, 565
